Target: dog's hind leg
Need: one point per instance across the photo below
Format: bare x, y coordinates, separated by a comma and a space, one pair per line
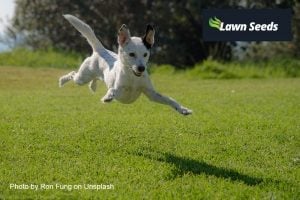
64, 79
83, 76
93, 85
79, 78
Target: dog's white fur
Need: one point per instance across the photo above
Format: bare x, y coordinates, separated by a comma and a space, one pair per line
125, 73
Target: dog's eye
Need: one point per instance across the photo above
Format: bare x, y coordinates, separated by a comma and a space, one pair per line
132, 54
145, 54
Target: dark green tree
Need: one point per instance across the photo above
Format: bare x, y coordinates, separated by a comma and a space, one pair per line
178, 25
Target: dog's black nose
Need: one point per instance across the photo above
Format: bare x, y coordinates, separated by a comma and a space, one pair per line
141, 68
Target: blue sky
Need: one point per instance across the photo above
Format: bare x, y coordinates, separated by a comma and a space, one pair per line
6, 12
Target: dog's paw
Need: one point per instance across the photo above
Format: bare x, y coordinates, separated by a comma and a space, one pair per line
106, 99
62, 80
184, 111
109, 96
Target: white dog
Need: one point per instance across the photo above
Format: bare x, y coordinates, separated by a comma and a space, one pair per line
125, 73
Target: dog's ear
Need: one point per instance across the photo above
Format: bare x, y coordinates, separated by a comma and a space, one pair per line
148, 38
123, 35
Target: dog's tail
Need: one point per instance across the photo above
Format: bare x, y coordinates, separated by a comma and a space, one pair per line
86, 31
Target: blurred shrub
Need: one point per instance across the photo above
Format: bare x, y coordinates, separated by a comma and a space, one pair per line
209, 69
40, 58
279, 67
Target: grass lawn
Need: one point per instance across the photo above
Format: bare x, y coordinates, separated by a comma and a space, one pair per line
242, 141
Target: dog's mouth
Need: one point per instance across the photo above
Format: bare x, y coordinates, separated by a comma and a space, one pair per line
137, 73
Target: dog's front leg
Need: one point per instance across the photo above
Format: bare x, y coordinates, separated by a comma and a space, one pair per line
109, 96
156, 97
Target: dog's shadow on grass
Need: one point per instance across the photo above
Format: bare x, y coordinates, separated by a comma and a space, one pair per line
185, 165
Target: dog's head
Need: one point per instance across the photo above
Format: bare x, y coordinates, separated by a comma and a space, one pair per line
134, 52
